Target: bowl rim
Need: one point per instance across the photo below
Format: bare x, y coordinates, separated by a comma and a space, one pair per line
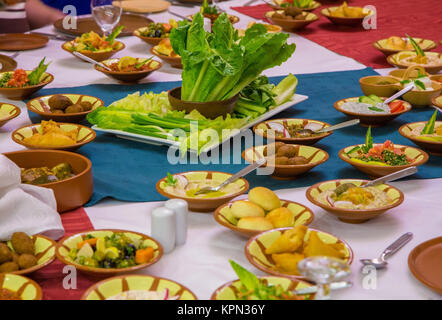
60, 243
355, 211
278, 274
75, 145
163, 56
47, 80
409, 137
434, 100
391, 60
232, 227
39, 291
377, 45
364, 165
383, 115
98, 68
202, 200
270, 14
74, 154
95, 286
93, 53
137, 33
326, 12
30, 108
15, 113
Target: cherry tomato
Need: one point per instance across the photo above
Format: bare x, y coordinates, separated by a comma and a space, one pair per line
396, 106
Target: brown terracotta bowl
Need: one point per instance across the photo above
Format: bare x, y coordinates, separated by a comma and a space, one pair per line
24, 287
437, 101
129, 77
292, 25
435, 77
418, 156
343, 20
432, 147
353, 215
210, 109
369, 85
24, 92
374, 120
173, 61
85, 135
394, 60
425, 45
314, 155
149, 40
8, 112
204, 204
65, 244
262, 127
41, 107
70, 193
97, 56
276, 4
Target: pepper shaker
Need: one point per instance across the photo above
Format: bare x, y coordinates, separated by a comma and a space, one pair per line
180, 208
163, 227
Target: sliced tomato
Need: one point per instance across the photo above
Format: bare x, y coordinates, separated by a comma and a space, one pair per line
167, 27
396, 106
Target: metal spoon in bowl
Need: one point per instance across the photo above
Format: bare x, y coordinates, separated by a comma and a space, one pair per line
233, 178
380, 263
309, 132
85, 58
398, 94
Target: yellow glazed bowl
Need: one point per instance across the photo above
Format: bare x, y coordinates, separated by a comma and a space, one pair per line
8, 112
26, 288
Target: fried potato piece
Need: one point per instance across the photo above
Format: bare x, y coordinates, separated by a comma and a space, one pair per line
287, 262
52, 135
316, 247
290, 241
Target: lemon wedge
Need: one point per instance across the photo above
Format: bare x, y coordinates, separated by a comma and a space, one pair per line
112, 253
126, 61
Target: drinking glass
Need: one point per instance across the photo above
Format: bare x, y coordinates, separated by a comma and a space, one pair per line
106, 14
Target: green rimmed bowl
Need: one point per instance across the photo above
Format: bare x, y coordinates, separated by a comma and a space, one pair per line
41, 107
433, 147
261, 130
425, 45
256, 246
395, 60
204, 204
85, 135
302, 216
24, 92
110, 287
8, 112
352, 215
26, 288
65, 244
314, 156
292, 25
229, 290
94, 55
418, 156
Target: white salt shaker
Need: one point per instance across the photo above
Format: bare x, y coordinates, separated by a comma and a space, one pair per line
181, 211
163, 227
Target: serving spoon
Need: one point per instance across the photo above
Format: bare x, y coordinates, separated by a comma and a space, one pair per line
83, 57
233, 178
380, 263
308, 132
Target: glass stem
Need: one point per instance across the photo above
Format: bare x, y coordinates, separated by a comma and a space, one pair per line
323, 292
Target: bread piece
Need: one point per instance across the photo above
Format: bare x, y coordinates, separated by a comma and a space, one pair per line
265, 198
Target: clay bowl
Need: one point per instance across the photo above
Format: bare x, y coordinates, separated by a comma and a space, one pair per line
97, 56
26, 288
149, 40
277, 5
353, 215
69, 193
8, 112
41, 107
204, 204
230, 290
369, 85
303, 215
374, 120
411, 74
24, 92
425, 45
85, 135
394, 60
255, 250
435, 77
314, 155
423, 98
129, 77
107, 288
173, 61
292, 25
437, 101
326, 12
210, 109
262, 127
432, 147
65, 244
418, 156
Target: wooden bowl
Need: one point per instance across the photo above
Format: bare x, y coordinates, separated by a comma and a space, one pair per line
314, 155
432, 147
129, 77
303, 215
425, 45
97, 56
374, 120
229, 290
8, 112
353, 215
262, 127
27, 289
85, 135
24, 92
326, 12
68, 242
41, 107
255, 250
369, 85
204, 204
419, 158
292, 25
70, 193
173, 61
110, 287
209, 109
149, 40
393, 59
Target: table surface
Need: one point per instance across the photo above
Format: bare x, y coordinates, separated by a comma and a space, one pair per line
209, 268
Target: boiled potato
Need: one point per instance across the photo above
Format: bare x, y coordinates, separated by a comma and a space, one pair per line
241, 209
255, 223
265, 198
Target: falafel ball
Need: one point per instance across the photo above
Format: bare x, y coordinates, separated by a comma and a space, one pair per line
86, 105
75, 108
15, 257
26, 261
9, 267
287, 150
59, 102
22, 243
5, 253
281, 160
57, 111
268, 148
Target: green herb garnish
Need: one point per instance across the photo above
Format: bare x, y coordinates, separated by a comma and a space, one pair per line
142, 63
368, 141
4, 80
375, 109
111, 38
207, 9
429, 127
357, 148
35, 75
419, 84
416, 47
170, 180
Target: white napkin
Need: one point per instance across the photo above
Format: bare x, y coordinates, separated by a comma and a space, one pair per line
26, 208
